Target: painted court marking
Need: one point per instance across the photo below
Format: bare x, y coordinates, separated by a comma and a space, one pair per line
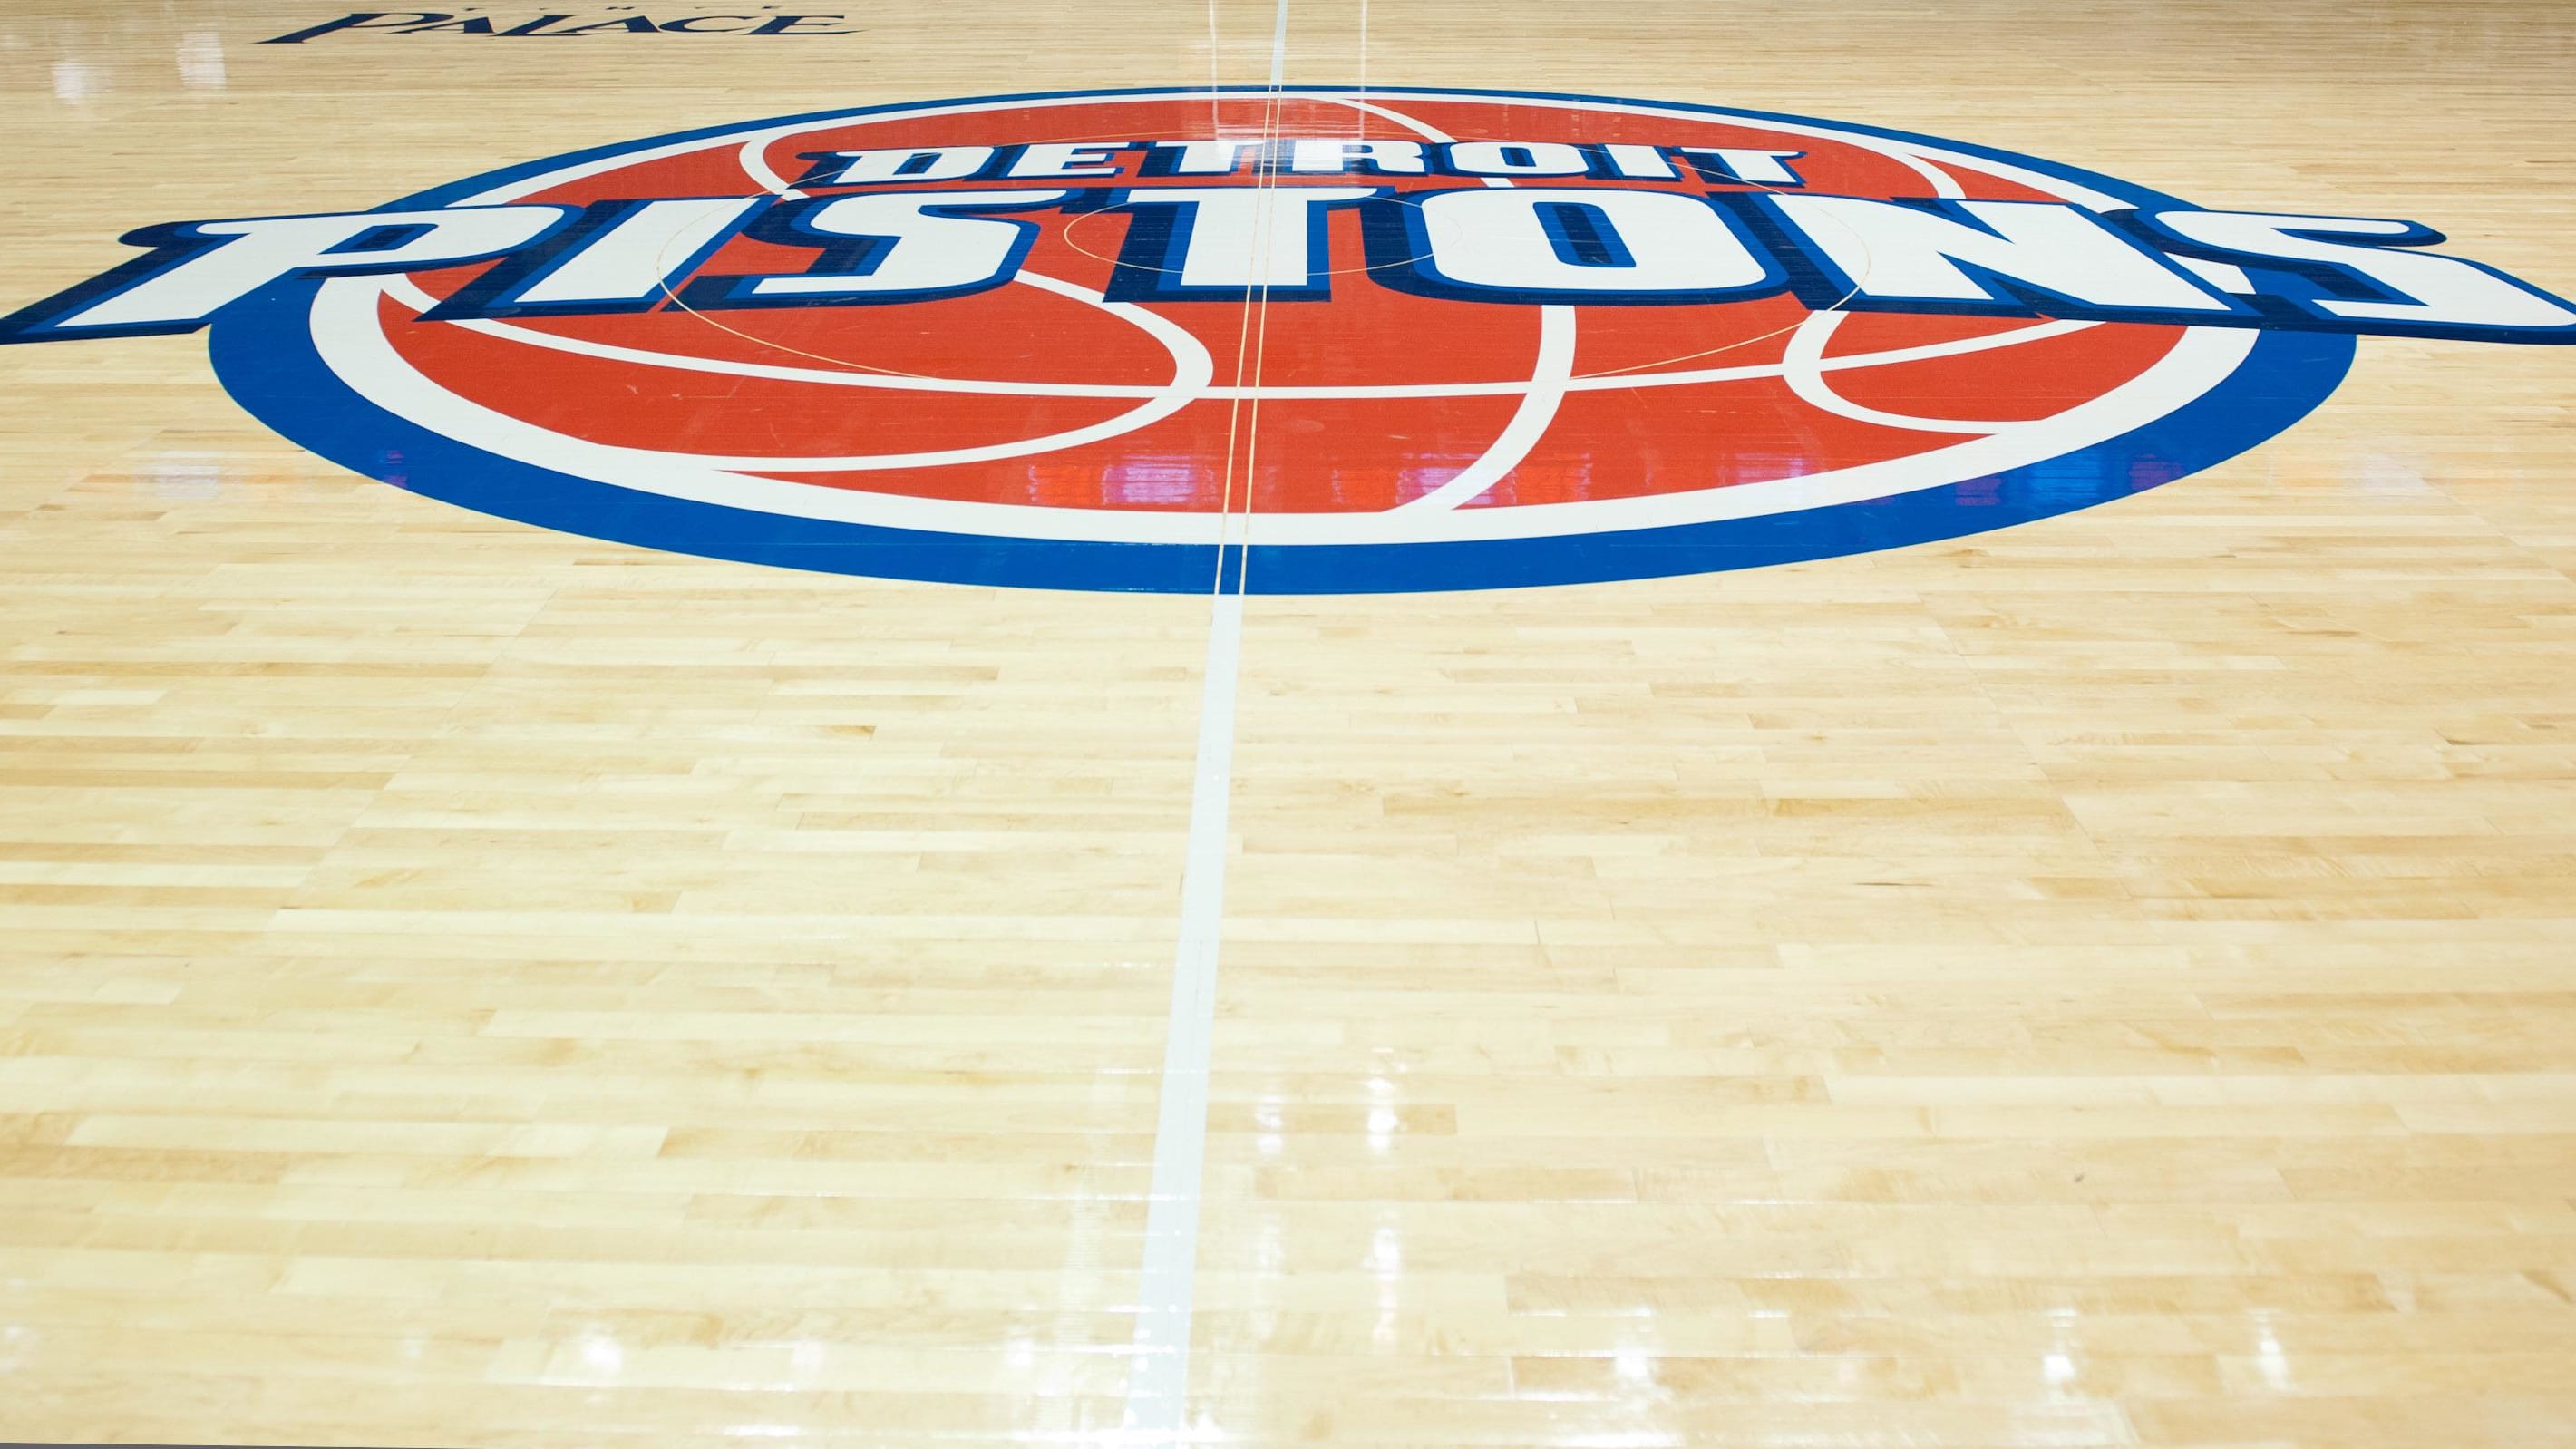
1158, 1379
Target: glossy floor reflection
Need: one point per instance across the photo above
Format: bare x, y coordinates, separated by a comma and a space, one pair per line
2104, 981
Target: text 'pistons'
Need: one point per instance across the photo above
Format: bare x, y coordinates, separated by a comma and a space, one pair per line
1226, 220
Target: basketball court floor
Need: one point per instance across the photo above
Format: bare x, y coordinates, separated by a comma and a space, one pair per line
1409, 730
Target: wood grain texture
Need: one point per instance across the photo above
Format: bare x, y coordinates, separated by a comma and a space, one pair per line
2107, 982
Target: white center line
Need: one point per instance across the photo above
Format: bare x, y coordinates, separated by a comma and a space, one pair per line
1158, 1379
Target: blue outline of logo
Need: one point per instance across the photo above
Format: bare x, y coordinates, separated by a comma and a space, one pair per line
264, 354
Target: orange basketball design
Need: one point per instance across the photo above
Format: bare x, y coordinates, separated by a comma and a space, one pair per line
1386, 339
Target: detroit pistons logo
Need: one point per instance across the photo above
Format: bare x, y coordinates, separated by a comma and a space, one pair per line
1351, 340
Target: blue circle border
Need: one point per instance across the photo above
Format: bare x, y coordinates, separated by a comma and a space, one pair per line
264, 354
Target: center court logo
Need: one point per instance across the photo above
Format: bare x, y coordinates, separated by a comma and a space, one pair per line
1383, 339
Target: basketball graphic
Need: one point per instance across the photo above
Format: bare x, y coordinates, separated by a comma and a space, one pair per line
1378, 340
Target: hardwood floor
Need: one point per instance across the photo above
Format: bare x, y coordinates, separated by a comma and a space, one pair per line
2107, 981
